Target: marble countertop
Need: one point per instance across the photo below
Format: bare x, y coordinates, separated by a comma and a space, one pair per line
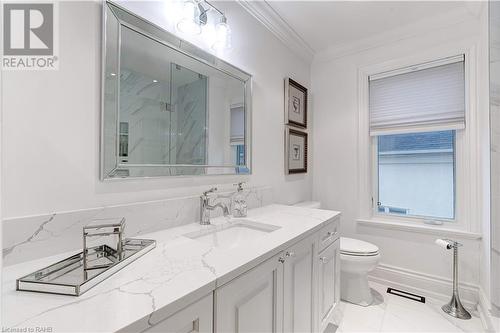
176, 273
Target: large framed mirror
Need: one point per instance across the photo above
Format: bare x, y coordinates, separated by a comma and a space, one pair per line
168, 107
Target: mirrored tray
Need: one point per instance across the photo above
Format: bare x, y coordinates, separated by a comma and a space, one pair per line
67, 277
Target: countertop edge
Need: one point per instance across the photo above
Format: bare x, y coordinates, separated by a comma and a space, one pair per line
169, 310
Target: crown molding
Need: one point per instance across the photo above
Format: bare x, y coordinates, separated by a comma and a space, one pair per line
266, 15
432, 24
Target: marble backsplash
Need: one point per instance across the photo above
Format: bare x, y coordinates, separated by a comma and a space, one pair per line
29, 238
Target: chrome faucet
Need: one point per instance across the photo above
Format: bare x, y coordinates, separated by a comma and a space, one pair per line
205, 207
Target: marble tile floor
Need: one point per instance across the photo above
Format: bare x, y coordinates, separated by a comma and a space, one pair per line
391, 313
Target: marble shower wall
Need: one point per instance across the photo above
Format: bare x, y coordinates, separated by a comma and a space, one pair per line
144, 107
29, 238
495, 149
191, 111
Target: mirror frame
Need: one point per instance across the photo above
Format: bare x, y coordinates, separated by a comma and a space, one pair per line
160, 35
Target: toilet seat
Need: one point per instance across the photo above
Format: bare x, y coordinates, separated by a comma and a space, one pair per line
356, 247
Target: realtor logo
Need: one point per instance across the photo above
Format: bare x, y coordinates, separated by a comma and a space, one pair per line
29, 32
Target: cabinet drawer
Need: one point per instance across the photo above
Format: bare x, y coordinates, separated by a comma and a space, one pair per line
328, 234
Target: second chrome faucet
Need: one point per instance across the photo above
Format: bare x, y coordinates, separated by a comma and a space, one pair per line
206, 207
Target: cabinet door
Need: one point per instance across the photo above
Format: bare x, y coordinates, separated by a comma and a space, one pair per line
328, 282
298, 287
198, 317
252, 302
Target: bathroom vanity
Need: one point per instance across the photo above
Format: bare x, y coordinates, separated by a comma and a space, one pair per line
276, 270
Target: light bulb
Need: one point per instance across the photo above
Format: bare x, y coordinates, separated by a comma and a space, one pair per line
222, 35
189, 23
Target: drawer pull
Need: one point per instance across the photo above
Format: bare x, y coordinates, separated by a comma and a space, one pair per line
290, 254
324, 260
281, 260
330, 235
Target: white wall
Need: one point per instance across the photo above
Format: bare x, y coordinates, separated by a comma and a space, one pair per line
493, 254
335, 166
50, 139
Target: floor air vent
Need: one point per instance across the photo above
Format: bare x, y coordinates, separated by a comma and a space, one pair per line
405, 294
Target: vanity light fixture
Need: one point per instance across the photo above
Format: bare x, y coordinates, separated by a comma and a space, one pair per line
190, 21
195, 15
222, 35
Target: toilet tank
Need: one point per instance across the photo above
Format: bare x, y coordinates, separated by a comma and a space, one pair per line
309, 204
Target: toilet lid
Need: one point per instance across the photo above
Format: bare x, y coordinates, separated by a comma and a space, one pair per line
351, 246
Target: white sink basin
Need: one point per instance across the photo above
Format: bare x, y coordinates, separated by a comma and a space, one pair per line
232, 234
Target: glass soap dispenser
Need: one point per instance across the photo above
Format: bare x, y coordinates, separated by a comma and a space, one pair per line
239, 205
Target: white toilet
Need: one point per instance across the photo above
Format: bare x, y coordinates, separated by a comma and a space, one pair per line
357, 259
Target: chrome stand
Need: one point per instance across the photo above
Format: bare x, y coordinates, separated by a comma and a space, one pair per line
455, 308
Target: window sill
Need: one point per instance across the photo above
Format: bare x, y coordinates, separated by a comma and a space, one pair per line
423, 229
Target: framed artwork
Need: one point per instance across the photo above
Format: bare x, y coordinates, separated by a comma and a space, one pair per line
295, 104
295, 151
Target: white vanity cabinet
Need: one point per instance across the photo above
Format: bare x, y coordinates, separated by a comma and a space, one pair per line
299, 286
294, 291
253, 302
197, 317
311, 287
328, 282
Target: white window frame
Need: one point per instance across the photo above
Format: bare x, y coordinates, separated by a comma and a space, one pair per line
466, 149
459, 173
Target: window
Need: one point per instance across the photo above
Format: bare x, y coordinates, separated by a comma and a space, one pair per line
237, 139
415, 115
416, 174
240, 155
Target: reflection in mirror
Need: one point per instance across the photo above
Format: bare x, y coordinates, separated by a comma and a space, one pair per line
167, 112
163, 106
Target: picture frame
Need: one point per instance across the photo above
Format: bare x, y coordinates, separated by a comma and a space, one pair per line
296, 143
296, 104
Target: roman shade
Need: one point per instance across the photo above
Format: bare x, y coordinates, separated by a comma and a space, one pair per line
237, 125
420, 98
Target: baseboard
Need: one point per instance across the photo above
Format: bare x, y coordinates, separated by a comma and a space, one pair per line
437, 288
491, 322
430, 286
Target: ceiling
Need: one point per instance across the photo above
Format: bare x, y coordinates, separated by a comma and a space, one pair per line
321, 24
